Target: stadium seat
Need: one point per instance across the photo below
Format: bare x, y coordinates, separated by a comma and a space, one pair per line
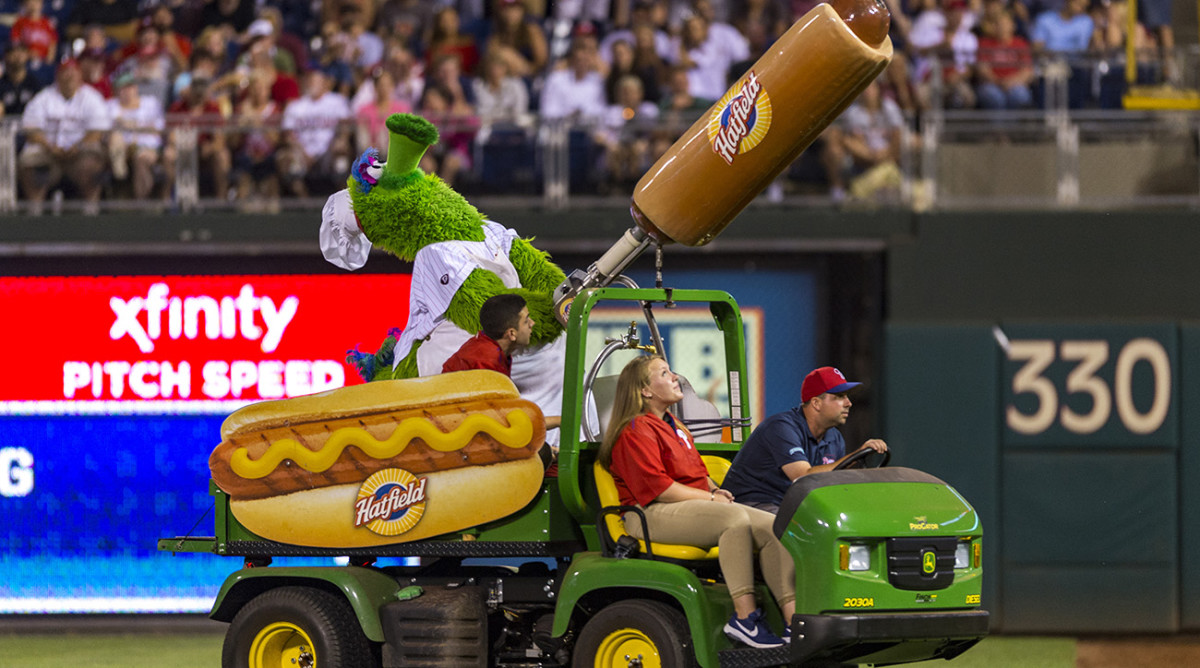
508, 162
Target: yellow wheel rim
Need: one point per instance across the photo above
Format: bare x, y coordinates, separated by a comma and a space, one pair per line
282, 645
624, 648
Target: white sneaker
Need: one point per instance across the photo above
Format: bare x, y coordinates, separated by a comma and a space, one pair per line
752, 631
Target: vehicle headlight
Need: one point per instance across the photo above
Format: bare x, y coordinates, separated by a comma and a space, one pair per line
854, 557
962, 554
860, 558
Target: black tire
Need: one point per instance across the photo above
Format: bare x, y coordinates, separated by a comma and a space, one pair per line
635, 627
296, 623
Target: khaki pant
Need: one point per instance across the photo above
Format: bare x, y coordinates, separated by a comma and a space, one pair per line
739, 531
80, 167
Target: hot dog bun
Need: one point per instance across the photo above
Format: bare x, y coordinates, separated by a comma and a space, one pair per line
382, 463
457, 499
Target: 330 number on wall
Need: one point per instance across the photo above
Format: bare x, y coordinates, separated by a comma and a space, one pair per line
1088, 374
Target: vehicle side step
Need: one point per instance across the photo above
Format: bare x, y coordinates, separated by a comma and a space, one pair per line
748, 657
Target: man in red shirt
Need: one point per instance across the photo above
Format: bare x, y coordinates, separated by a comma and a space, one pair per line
1005, 66
506, 326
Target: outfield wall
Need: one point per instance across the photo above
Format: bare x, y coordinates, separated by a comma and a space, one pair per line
1048, 366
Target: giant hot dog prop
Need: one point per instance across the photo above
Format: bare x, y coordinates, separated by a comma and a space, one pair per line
382, 463
732, 153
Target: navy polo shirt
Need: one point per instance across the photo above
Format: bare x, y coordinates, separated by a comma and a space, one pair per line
757, 476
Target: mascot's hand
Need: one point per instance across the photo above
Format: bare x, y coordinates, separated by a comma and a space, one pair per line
546, 327
378, 365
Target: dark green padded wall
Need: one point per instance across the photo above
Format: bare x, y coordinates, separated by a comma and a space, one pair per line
1189, 476
939, 401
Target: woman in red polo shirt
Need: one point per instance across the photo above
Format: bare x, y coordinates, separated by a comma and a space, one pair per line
655, 465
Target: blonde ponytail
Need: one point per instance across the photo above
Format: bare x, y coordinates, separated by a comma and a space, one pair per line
628, 403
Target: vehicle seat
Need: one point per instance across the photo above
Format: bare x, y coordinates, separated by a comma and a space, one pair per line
604, 391
614, 525
698, 414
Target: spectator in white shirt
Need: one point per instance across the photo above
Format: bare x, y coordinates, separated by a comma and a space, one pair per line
941, 36
316, 145
500, 97
64, 127
708, 55
136, 142
575, 92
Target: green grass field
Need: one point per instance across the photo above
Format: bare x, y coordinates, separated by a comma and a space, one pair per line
155, 650
127, 650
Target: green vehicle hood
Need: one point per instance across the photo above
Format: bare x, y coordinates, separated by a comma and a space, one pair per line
873, 502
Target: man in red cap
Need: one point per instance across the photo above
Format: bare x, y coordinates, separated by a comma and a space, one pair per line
796, 442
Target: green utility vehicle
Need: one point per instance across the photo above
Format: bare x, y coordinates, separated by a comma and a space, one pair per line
888, 560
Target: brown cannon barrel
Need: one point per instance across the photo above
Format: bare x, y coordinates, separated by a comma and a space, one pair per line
787, 98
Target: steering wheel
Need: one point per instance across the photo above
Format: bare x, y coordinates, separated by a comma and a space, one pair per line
859, 458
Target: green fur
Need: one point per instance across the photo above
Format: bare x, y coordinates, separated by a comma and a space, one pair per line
482, 285
414, 127
384, 373
383, 358
541, 308
533, 265
405, 212
407, 368
478, 288
433, 210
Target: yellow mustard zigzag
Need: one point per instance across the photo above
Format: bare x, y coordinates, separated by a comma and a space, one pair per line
516, 435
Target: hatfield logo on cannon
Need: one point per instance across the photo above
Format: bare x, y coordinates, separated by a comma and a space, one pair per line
390, 502
740, 120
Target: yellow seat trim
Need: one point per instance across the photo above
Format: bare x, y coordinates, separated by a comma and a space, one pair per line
607, 489
717, 467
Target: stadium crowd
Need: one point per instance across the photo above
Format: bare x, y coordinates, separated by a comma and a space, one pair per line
281, 95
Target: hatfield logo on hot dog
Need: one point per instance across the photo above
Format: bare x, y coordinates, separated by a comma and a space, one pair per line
740, 119
382, 463
390, 502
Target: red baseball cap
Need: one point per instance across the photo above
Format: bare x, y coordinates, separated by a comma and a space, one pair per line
825, 379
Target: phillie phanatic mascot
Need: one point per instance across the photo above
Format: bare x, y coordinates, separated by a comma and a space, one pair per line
460, 259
